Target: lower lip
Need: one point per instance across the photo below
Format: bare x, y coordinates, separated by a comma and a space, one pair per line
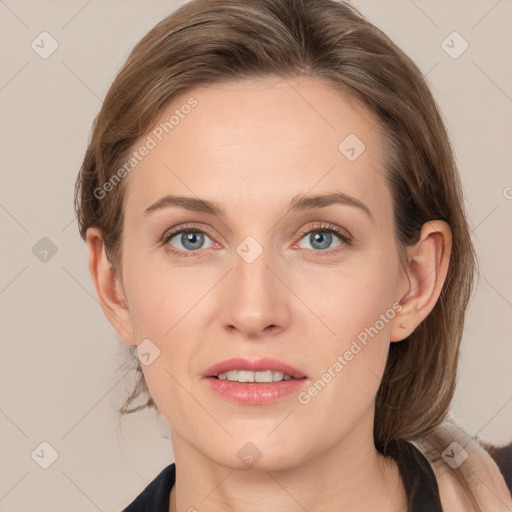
255, 393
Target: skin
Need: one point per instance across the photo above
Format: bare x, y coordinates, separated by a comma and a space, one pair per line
252, 146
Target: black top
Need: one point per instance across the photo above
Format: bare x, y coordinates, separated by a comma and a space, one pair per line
416, 472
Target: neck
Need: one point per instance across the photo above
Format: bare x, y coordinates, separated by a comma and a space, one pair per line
352, 475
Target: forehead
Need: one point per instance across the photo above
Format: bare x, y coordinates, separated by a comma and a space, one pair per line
261, 140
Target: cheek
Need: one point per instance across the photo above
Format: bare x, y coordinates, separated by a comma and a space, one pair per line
358, 306
355, 298
163, 315
160, 302
160, 295
349, 364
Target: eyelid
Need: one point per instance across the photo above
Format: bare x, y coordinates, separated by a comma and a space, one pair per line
171, 232
346, 239
176, 230
319, 226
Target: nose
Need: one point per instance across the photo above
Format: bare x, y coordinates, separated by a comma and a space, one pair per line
255, 300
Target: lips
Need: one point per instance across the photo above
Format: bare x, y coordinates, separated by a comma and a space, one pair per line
258, 365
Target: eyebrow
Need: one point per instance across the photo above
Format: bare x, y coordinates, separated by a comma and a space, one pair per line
298, 203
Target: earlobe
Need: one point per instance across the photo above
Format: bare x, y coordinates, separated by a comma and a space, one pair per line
108, 286
428, 262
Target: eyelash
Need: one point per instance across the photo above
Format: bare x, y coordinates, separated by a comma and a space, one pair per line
346, 239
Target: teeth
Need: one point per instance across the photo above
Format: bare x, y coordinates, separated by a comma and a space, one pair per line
248, 376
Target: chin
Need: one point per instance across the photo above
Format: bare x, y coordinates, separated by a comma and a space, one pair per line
258, 456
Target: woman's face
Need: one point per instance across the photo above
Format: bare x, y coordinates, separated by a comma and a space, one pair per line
268, 277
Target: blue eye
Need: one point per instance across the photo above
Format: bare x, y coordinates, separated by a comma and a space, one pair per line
190, 240
322, 239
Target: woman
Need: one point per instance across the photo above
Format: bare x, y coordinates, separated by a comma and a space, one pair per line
275, 224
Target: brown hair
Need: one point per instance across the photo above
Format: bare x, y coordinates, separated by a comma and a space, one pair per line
210, 41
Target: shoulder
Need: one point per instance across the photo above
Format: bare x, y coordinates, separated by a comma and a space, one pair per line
463, 465
155, 496
502, 456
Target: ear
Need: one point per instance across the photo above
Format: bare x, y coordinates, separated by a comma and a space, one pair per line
108, 287
427, 267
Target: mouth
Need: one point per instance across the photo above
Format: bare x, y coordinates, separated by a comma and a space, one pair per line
253, 377
265, 370
262, 382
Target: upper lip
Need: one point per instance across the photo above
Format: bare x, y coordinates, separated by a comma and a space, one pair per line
266, 363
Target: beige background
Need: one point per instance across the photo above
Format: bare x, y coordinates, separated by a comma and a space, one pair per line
60, 376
